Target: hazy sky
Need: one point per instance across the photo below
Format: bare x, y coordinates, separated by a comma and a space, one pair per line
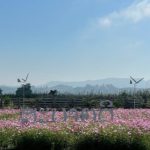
73, 40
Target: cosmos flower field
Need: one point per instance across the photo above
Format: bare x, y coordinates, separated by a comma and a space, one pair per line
128, 125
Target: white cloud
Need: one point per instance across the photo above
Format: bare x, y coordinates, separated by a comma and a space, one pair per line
133, 13
105, 22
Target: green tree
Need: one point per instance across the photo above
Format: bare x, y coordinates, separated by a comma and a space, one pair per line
24, 89
53, 93
1, 92
1, 102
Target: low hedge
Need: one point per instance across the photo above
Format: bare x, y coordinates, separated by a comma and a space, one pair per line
43, 139
36, 139
100, 142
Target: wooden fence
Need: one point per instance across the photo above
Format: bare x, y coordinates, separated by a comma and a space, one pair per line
47, 102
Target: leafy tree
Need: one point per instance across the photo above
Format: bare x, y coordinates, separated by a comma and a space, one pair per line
1, 102
26, 89
53, 92
1, 91
7, 101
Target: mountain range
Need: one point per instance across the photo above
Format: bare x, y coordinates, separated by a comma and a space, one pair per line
117, 82
108, 85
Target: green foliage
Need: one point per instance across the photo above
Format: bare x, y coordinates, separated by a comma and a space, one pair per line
1, 92
24, 90
121, 100
53, 93
7, 137
8, 116
40, 139
113, 142
7, 101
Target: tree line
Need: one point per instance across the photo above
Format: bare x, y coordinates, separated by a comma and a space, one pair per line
121, 100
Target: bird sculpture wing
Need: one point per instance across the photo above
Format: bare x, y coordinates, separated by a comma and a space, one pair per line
18, 80
23, 80
133, 79
27, 76
139, 80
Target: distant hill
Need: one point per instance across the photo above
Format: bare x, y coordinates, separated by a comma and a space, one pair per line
117, 82
88, 89
8, 89
108, 85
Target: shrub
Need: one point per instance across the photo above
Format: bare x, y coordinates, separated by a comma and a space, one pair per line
6, 138
41, 139
104, 142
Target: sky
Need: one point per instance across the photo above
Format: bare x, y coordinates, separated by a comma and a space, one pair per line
73, 40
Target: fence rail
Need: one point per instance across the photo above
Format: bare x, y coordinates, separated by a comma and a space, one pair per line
47, 102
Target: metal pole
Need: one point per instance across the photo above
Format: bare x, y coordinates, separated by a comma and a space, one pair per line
23, 96
23, 82
134, 94
135, 83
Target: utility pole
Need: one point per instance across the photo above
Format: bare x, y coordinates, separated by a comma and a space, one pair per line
134, 82
23, 82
